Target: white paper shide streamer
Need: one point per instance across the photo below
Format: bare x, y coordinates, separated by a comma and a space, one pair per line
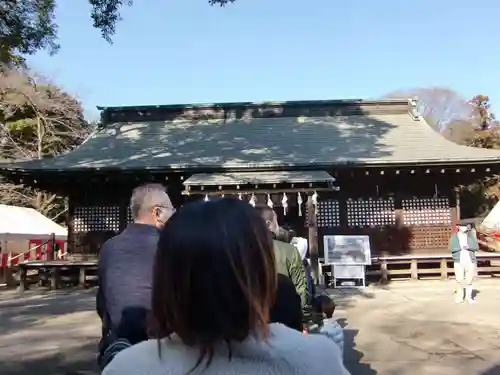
315, 202
299, 203
240, 197
284, 203
253, 200
270, 201
206, 198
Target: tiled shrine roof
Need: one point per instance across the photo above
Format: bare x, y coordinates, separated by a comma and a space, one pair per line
240, 136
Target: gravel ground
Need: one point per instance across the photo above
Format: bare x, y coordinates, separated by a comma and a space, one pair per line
405, 328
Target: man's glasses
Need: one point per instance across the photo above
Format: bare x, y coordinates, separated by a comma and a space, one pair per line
170, 208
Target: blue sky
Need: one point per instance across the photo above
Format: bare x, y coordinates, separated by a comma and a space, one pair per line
184, 51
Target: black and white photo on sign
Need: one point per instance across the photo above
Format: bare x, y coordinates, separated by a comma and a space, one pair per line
344, 249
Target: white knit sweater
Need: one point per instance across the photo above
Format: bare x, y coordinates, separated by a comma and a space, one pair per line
287, 352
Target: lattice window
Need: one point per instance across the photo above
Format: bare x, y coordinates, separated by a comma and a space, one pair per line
328, 214
370, 213
426, 211
129, 216
429, 237
97, 219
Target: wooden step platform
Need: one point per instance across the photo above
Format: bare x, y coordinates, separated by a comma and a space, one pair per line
57, 273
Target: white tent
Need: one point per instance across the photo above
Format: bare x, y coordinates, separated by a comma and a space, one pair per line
492, 221
20, 223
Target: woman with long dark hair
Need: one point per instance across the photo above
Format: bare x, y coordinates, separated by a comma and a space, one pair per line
214, 285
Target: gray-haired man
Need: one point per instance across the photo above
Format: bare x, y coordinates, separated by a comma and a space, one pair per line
126, 260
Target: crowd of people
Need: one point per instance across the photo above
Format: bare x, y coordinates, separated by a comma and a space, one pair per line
210, 288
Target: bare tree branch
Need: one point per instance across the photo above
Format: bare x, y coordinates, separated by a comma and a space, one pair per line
37, 119
440, 106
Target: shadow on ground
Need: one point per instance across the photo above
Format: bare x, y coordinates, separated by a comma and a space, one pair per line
352, 357
48, 333
21, 311
76, 361
348, 297
345, 299
495, 370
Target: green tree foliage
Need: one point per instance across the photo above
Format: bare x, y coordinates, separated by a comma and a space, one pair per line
28, 26
106, 13
487, 132
481, 112
37, 119
477, 131
481, 196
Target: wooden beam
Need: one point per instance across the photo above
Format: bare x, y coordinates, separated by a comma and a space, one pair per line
313, 240
256, 191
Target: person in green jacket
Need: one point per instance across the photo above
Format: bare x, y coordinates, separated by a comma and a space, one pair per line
288, 260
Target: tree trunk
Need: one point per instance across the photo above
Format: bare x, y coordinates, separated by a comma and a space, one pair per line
39, 136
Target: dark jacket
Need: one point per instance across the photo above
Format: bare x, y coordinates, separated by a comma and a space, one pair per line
455, 248
287, 309
125, 272
311, 288
288, 263
131, 330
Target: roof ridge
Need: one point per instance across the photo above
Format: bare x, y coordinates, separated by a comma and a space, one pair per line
228, 105
310, 108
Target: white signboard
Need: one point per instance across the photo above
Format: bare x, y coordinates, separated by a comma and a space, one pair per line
347, 250
349, 272
342, 272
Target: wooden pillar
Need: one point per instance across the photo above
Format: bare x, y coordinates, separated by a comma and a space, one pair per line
402, 244
384, 273
7, 275
81, 280
313, 239
444, 269
51, 247
70, 244
23, 278
55, 278
414, 269
454, 209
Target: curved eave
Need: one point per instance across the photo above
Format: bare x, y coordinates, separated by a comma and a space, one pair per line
249, 168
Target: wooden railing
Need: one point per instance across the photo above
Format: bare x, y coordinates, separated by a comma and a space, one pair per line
425, 266
8, 260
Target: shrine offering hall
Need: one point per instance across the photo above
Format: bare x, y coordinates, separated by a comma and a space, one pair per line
327, 167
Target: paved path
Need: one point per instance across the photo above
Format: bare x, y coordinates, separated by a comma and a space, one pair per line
407, 328
47, 334
415, 328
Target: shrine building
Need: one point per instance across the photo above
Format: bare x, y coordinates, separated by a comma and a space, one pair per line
327, 167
